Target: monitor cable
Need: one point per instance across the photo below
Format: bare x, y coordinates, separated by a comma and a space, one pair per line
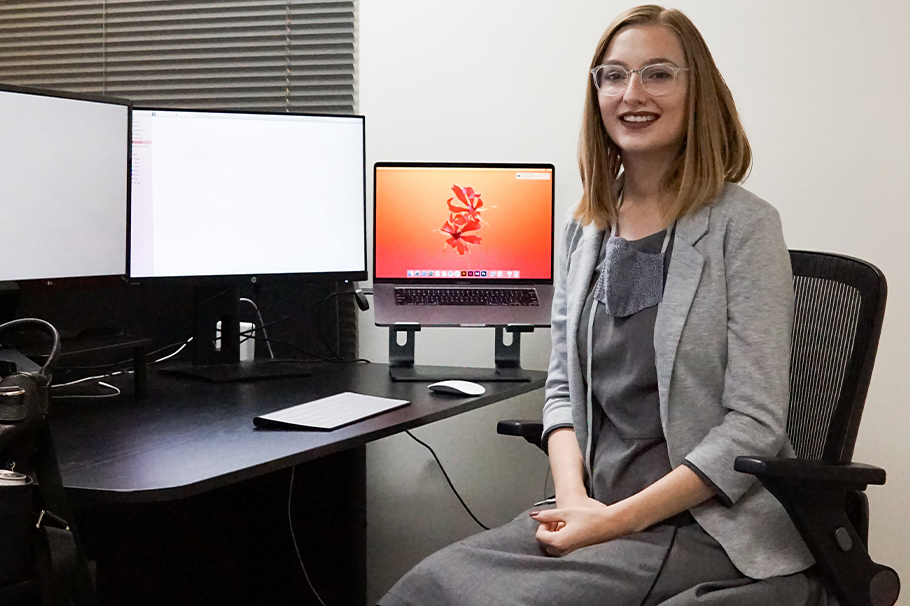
446, 476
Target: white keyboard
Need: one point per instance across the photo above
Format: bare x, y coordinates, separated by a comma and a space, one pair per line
329, 413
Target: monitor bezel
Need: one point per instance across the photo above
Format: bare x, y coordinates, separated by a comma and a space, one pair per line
94, 98
465, 280
334, 276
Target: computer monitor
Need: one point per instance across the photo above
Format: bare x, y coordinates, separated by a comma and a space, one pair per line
246, 194
218, 197
64, 184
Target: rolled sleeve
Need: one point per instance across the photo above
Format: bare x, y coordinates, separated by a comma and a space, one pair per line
721, 495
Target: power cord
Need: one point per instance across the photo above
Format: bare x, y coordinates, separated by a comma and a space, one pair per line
446, 476
169, 356
126, 362
261, 324
114, 394
114, 374
294, 539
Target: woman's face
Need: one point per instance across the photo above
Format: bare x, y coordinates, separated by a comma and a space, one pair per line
638, 122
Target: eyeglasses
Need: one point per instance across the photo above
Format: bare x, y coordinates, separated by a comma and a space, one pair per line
657, 79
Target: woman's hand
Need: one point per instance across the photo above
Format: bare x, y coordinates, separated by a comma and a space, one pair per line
581, 521
565, 529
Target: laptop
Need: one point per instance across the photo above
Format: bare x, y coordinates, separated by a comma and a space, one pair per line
463, 244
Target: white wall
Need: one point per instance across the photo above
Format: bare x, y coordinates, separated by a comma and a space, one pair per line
822, 91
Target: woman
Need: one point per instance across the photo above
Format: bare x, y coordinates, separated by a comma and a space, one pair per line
671, 331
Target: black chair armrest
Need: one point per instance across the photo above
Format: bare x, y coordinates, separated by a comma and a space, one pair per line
811, 474
532, 431
815, 495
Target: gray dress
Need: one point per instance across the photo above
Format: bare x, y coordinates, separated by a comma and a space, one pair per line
674, 563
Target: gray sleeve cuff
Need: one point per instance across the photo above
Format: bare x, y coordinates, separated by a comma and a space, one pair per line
546, 434
721, 495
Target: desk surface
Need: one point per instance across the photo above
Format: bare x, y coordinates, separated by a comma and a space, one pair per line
187, 437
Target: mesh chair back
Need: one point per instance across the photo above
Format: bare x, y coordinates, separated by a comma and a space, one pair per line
840, 304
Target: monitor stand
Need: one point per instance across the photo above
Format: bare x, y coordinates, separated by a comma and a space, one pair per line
214, 304
507, 357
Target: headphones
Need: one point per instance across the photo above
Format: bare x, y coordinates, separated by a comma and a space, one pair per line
24, 396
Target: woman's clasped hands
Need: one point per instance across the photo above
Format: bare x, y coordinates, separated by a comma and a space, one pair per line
576, 523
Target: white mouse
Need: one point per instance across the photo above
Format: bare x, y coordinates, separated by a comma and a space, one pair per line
458, 388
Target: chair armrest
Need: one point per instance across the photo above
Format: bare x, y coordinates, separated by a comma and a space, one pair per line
814, 493
531, 431
811, 474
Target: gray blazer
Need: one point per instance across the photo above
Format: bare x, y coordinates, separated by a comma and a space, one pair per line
722, 347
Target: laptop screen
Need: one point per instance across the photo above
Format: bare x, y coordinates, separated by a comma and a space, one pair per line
460, 222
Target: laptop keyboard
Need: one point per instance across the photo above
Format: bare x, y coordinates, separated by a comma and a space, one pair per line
520, 297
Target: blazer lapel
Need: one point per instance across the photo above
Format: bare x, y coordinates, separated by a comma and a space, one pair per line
682, 281
578, 281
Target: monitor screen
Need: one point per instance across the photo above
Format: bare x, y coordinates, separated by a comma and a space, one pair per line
233, 193
457, 222
64, 178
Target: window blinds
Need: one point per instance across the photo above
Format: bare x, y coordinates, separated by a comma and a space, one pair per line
296, 55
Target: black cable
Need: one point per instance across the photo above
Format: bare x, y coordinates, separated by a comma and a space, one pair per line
301, 310
213, 297
294, 538
249, 333
128, 363
112, 373
446, 476
320, 305
113, 365
325, 342
362, 303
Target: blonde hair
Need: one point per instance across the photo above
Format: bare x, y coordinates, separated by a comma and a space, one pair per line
715, 149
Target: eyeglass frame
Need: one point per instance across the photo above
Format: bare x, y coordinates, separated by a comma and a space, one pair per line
675, 68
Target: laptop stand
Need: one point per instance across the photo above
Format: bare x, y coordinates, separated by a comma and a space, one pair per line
507, 358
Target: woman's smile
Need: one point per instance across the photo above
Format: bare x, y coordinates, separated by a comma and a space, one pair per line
638, 120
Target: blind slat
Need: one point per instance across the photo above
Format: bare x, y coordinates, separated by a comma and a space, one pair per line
331, 63
233, 54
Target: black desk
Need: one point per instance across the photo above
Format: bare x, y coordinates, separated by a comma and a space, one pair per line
182, 500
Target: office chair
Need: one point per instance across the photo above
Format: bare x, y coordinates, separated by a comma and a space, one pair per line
839, 307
